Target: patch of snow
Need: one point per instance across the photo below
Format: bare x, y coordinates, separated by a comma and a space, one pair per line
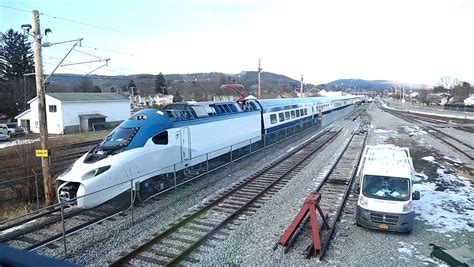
411, 251
381, 135
420, 176
429, 158
384, 131
18, 142
413, 130
446, 202
453, 160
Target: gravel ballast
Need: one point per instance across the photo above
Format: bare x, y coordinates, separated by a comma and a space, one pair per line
252, 241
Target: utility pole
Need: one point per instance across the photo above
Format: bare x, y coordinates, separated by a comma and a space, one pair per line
259, 78
301, 89
43, 126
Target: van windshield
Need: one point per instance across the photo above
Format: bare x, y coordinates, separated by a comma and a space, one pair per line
385, 187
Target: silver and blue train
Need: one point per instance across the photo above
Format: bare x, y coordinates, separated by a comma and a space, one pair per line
154, 143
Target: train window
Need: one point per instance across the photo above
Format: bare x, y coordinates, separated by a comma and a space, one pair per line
139, 117
227, 108
293, 114
297, 113
273, 118
161, 138
305, 112
218, 109
281, 116
119, 138
233, 108
301, 112
287, 115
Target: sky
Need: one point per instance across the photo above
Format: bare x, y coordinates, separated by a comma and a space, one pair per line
412, 41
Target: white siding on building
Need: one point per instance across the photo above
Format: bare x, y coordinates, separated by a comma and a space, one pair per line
66, 113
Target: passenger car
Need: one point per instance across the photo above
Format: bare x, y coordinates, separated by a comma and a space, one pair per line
13, 129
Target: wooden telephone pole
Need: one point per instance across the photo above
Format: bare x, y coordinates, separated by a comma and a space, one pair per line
43, 126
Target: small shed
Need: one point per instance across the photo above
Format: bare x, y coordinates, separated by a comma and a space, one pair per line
92, 122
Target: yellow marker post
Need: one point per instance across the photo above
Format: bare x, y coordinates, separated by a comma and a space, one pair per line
41, 153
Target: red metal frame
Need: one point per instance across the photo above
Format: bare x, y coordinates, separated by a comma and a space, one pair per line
310, 205
234, 87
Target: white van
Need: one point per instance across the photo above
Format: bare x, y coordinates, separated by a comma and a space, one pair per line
385, 189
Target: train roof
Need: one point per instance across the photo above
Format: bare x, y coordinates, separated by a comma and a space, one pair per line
267, 103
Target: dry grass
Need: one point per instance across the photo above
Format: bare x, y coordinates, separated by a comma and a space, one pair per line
17, 161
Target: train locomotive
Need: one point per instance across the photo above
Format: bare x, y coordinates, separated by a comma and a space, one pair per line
154, 142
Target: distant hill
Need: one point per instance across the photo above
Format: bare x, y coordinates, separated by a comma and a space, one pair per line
146, 82
371, 85
272, 84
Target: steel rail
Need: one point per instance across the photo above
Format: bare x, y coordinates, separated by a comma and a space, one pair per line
123, 260
430, 131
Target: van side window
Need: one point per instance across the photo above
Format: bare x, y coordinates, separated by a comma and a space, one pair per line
161, 138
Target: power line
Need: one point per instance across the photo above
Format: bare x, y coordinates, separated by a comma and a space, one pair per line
106, 50
85, 53
73, 21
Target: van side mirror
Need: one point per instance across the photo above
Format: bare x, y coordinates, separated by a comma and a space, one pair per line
416, 195
357, 188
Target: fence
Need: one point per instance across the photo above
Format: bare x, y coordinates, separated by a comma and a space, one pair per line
459, 107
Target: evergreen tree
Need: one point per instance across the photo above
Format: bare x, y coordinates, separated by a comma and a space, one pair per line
16, 60
177, 97
16, 55
160, 85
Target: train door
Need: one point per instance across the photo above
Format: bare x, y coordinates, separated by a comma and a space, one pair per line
185, 137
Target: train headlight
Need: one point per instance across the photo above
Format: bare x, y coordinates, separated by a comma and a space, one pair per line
95, 172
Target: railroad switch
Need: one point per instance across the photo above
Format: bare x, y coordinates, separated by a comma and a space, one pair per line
310, 205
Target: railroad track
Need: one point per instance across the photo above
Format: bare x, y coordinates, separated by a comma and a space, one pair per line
432, 118
334, 189
47, 228
175, 244
61, 156
452, 141
461, 146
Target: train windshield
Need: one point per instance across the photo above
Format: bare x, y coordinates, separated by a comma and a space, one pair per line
119, 138
384, 187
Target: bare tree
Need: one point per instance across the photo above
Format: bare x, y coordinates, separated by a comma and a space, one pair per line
449, 82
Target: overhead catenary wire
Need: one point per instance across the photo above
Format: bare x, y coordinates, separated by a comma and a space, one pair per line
73, 21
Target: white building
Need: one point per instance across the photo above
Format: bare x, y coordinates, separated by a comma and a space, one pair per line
469, 101
158, 99
77, 112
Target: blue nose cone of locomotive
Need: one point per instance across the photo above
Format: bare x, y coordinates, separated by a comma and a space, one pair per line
149, 122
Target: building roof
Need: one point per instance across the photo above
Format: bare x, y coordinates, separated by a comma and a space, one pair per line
22, 114
92, 116
71, 97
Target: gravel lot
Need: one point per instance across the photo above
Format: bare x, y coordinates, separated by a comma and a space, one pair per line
252, 242
445, 211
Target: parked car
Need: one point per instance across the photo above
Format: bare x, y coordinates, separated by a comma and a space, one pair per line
13, 129
4, 132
